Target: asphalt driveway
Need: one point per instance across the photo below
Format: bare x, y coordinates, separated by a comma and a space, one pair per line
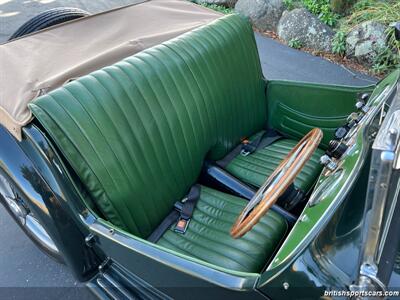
21, 263
13, 13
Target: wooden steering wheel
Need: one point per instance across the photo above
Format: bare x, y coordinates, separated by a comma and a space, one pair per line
277, 183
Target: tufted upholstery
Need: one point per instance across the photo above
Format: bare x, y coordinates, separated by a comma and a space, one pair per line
256, 167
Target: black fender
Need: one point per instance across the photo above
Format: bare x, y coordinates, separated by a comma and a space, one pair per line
38, 177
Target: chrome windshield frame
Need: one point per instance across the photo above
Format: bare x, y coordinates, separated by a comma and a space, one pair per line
379, 200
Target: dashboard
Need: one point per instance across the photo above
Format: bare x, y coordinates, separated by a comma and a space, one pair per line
343, 161
362, 125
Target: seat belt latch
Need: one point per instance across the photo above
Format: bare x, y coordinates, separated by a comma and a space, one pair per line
247, 147
185, 207
182, 225
245, 151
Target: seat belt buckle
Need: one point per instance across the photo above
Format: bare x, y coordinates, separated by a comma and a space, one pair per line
245, 151
182, 225
178, 206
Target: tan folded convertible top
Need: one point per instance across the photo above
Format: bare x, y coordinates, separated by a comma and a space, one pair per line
40, 62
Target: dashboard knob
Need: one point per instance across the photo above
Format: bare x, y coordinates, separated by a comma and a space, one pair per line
341, 132
337, 149
353, 117
327, 162
360, 104
364, 97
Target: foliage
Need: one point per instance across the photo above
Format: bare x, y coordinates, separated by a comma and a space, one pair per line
322, 9
327, 16
219, 8
339, 43
315, 6
387, 59
341, 6
295, 43
289, 4
384, 12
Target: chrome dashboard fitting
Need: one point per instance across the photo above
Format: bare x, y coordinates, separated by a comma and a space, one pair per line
341, 132
359, 105
362, 107
353, 117
328, 163
337, 149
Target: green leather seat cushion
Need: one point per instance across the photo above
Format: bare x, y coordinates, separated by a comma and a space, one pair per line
207, 237
256, 167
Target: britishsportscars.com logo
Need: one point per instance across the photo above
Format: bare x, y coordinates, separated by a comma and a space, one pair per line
355, 294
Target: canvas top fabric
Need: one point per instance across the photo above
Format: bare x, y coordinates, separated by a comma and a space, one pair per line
40, 62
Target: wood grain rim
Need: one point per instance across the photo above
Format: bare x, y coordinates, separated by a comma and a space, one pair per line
302, 153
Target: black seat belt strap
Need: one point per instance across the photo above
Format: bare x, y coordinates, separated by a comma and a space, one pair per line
230, 156
270, 137
183, 211
186, 212
163, 227
265, 139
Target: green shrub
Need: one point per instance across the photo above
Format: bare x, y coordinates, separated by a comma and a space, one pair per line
339, 43
386, 61
314, 6
289, 4
342, 6
322, 9
295, 43
384, 12
327, 16
362, 4
388, 57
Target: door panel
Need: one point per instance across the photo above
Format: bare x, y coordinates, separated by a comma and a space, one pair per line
294, 107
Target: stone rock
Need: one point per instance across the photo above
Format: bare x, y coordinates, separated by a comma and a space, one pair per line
226, 3
364, 41
299, 24
264, 14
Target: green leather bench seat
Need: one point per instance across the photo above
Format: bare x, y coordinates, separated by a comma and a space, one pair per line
256, 167
208, 236
137, 133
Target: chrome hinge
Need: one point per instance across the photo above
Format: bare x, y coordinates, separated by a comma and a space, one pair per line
368, 281
90, 240
104, 264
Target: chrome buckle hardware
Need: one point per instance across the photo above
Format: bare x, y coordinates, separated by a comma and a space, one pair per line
182, 225
244, 152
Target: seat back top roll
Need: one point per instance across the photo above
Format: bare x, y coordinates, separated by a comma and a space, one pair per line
137, 132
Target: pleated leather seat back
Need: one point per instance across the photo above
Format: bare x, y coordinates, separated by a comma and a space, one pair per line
137, 132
